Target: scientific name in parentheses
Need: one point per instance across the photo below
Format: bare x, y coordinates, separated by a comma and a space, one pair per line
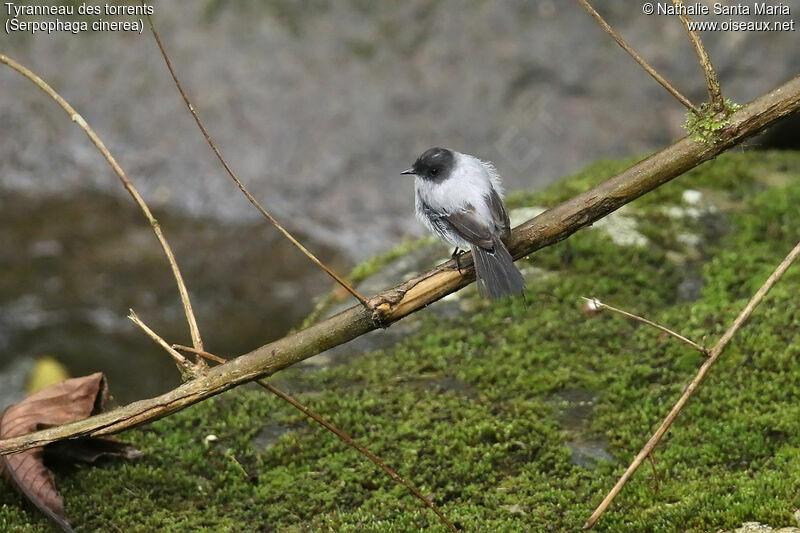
756, 8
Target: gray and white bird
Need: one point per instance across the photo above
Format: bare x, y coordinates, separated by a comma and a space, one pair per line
460, 199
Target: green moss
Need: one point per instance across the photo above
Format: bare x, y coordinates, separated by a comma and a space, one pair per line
479, 409
705, 126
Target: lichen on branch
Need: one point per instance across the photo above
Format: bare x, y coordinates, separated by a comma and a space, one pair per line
706, 126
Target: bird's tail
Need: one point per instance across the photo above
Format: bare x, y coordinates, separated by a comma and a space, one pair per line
496, 274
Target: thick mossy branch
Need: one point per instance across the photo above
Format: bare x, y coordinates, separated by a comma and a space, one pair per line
392, 305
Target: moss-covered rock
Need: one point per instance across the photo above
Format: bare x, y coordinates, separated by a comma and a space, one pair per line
516, 418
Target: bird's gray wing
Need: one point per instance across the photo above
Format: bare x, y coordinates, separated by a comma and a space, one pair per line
470, 227
434, 219
499, 215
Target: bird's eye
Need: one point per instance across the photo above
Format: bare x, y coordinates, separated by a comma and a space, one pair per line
434, 170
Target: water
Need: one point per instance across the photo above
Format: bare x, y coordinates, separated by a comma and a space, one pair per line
71, 267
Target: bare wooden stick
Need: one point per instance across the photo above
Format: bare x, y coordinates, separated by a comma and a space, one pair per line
203, 353
712, 83
597, 304
414, 294
185, 366
652, 459
344, 437
642, 63
239, 184
701, 374
126, 182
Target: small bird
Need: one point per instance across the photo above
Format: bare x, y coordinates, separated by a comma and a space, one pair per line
460, 199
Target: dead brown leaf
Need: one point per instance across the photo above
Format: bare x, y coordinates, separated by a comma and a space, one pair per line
61, 403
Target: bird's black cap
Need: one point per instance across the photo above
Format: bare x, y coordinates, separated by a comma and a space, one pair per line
435, 164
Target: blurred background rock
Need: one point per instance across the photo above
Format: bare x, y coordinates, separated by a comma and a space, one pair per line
317, 106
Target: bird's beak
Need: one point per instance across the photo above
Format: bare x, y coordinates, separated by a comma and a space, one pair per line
409, 171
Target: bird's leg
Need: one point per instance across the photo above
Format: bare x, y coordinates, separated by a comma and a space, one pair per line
457, 258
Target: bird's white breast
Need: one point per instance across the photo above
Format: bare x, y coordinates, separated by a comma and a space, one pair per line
470, 182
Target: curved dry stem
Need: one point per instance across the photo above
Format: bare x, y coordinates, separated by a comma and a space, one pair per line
597, 304
713, 355
642, 63
712, 83
126, 182
186, 368
239, 184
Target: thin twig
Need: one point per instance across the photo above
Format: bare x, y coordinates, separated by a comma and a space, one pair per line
652, 459
344, 437
239, 184
126, 182
184, 365
336, 431
650, 70
203, 353
701, 374
597, 304
712, 83
235, 461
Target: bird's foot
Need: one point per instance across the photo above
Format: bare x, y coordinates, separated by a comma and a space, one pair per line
457, 258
